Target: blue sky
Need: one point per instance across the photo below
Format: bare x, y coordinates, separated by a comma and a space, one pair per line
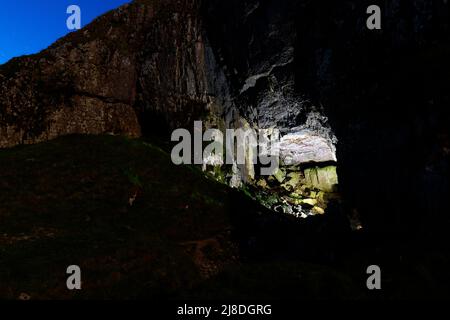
28, 26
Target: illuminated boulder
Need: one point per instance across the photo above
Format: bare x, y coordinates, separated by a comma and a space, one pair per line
304, 147
324, 179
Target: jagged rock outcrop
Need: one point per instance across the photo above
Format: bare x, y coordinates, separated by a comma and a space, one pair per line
255, 46
304, 148
144, 66
149, 66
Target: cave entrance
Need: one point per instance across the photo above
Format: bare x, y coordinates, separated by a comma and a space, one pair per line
304, 182
306, 179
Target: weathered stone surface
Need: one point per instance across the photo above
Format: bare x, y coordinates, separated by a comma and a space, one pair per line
294, 180
262, 183
143, 66
280, 175
311, 202
318, 210
324, 179
304, 147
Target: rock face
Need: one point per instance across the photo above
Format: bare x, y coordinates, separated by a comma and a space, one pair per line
255, 43
152, 66
145, 66
324, 179
300, 66
149, 67
304, 147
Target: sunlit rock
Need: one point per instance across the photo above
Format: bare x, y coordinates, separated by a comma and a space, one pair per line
324, 179
236, 179
262, 183
212, 160
295, 195
293, 181
318, 210
280, 175
311, 202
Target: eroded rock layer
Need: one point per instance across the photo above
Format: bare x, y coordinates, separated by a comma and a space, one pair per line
145, 66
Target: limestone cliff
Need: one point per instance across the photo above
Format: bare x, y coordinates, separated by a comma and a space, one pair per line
144, 65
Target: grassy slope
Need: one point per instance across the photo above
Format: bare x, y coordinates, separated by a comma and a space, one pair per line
66, 202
